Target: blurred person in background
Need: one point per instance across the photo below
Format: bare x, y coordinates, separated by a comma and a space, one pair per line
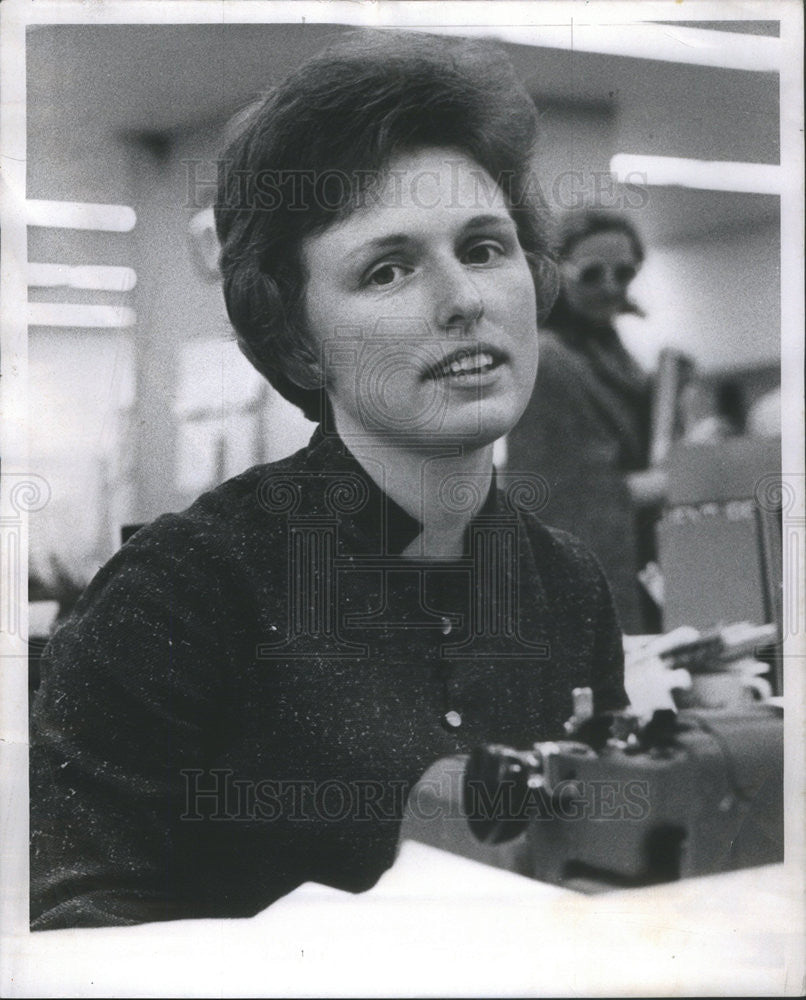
586, 429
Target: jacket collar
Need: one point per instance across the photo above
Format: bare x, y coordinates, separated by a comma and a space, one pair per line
370, 520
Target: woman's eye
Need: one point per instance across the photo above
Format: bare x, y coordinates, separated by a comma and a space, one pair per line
484, 253
386, 274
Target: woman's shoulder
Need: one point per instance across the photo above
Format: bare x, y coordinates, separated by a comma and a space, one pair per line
205, 555
241, 504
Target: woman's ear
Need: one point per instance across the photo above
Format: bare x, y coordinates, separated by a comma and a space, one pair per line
301, 364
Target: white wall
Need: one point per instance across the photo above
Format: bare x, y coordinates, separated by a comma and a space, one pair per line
717, 299
182, 323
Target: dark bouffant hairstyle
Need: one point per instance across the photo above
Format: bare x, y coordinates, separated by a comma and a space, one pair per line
323, 138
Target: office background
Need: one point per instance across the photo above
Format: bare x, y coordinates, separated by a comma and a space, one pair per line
139, 397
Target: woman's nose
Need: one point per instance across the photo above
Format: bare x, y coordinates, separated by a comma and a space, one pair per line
459, 302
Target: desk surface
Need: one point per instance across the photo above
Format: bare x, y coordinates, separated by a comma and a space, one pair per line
441, 925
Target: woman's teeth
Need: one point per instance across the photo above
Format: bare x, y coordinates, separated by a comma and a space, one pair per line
470, 364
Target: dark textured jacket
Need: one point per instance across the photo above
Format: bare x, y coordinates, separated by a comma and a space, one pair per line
247, 691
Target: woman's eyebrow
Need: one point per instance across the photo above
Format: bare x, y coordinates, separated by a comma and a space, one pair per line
391, 241
485, 221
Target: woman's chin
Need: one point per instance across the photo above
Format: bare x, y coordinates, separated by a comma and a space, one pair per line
487, 425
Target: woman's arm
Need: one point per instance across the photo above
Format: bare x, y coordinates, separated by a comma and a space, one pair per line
130, 693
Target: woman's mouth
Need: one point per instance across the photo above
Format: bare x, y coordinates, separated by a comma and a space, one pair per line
466, 363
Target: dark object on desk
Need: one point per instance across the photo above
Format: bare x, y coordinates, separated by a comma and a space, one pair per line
689, 794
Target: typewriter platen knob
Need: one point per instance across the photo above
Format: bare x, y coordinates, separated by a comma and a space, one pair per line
498, 784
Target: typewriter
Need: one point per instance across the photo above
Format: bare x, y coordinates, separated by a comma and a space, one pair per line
622, 801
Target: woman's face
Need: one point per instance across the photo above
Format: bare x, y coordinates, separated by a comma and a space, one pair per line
597, 274
422, 307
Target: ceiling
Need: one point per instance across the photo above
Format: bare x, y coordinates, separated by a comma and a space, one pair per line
87, 82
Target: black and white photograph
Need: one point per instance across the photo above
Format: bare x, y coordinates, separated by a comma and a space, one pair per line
402, 498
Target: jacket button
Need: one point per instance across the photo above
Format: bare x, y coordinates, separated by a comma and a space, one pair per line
451, 720
447, 628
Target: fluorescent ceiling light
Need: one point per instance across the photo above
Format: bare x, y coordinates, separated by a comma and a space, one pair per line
80, 215
76, 314
707, 175
641, 40
670, 43
98, 277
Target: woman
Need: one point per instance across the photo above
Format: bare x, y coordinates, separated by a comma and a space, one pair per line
248, 690
586, 428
